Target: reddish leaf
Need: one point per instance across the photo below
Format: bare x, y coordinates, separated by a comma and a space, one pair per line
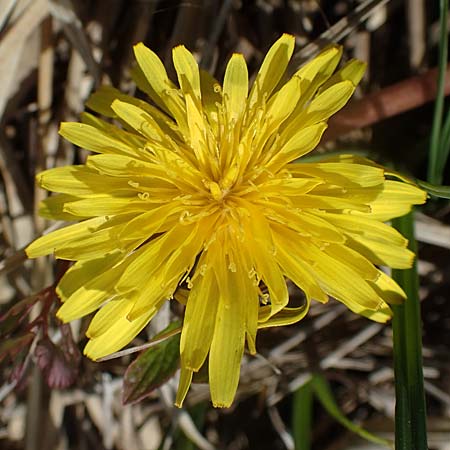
58, 364
13, 357
152, 367
18, 369
68, 345
11, 319
12, 347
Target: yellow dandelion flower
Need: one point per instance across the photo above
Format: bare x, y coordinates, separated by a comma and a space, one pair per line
202, 188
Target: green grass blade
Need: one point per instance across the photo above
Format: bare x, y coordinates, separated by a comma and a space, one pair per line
324, 394
436, 191
302, 409
410, 414
435, 163
198, 415
445, 140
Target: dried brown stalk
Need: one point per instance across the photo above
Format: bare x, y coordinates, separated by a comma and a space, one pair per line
385, 103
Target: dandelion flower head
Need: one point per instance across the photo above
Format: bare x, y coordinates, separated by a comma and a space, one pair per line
201, 187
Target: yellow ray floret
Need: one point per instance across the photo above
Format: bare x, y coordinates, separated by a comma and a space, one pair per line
202, 191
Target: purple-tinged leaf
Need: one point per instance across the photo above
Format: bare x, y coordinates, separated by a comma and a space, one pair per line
11, 347
19, 369
58, 364
68, 345
152, 367
13, 317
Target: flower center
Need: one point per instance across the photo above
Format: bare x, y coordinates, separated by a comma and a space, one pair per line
216, 191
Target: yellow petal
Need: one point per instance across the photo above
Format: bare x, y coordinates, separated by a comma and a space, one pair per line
308, 224
318, 200
314, 73
187, 70
227, 345
183, 386
107, 316
281, 104
272, 276
98, 242
364, 226
150, 222
139, 120
352, 71
93, 139
199, 319
353, 259
296, 270
252, 304
381, 315
138, 76
156, 81
101, 102
148, 259
52, 208
272, 68
105, 205
395, 200
197, 136
89, 239
131, 139
301, 143
250, 296
235, 87
119, 332
287, 316
181, 259
49, 243
341, 174
287, 186
121, 168
82, 272
388, 289
211, 97
340, 280
189, 79
325, 104
95, 291
78, 180
382, 253
261, 248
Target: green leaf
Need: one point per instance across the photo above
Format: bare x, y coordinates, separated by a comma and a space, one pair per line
152, 367
410, 410
323, 392
302, 409
437, 191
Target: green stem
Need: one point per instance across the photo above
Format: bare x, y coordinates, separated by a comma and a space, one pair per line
435, 165
410, 413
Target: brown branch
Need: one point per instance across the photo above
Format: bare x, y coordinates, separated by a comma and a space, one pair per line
385, 103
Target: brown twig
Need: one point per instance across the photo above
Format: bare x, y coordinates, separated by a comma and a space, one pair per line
385, 103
